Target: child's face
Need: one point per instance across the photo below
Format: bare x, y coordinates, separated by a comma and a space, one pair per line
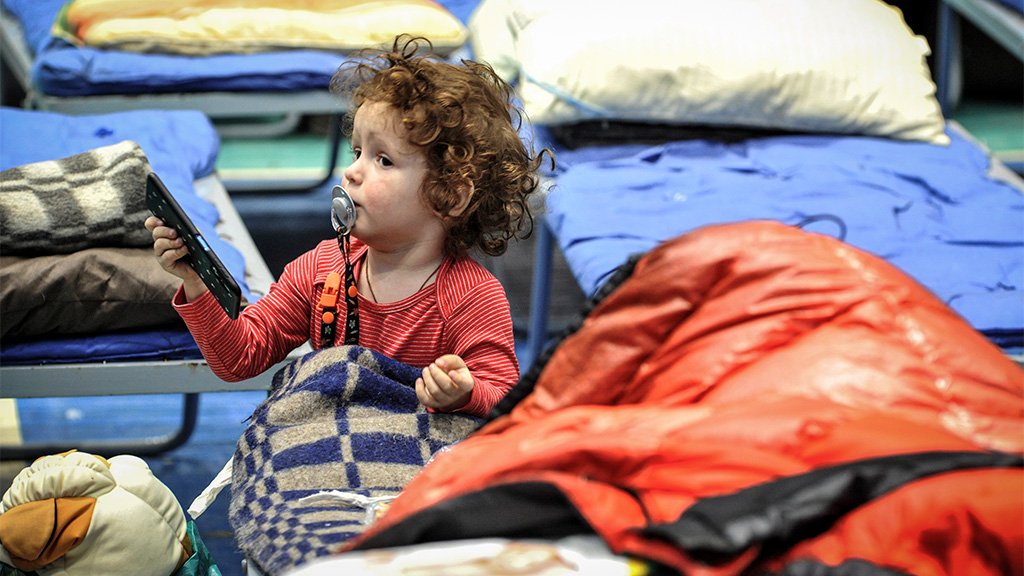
385, 179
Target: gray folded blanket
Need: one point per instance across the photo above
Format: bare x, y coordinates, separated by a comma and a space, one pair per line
96, 198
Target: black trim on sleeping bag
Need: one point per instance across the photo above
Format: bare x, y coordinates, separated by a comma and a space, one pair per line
526, 384
1007, 339
778, 514
855, 567
535, 510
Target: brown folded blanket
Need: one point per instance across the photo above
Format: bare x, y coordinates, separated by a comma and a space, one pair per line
93, 290
96, 198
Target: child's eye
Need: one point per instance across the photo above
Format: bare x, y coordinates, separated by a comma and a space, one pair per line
356, 152
385, 161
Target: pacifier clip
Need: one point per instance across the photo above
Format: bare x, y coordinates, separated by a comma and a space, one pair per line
329, 302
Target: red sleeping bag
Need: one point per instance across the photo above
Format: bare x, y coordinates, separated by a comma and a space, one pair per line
751, 398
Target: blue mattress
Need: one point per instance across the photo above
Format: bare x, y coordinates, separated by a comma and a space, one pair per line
933, 211
61, 69
157, 344
181, 146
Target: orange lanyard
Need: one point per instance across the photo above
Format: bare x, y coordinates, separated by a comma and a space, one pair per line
329, 301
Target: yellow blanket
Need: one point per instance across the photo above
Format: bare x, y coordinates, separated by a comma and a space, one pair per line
231, 26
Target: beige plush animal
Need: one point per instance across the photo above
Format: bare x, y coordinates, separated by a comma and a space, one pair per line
77, 514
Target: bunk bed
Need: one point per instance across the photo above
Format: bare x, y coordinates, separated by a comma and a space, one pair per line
261, 87
152, 354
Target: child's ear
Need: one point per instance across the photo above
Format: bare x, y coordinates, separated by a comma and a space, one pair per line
465, 191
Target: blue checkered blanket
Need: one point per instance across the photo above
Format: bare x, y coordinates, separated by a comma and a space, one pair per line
342, 419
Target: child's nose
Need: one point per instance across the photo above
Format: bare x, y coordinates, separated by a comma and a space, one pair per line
351, 172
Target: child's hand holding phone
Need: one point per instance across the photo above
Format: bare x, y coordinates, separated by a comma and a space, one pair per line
184, 252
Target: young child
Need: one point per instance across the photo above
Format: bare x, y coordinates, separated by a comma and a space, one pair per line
438, 169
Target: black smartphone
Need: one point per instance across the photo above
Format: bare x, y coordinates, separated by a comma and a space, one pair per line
200, 256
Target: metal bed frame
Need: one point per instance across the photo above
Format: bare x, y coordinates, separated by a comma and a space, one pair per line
187, 377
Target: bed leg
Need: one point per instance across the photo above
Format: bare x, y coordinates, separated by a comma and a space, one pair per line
540, 294
946, 58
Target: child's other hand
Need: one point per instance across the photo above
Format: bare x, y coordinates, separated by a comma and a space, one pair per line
446, 384
169, 249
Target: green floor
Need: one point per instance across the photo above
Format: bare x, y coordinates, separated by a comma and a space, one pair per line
292, 151
299, 156
999, 126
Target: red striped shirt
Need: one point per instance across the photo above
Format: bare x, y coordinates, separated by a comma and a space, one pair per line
465, 312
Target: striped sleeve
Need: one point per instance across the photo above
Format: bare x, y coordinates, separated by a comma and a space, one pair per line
479, 329
263, 334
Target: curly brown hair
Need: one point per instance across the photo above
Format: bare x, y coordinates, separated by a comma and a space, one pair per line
464, 119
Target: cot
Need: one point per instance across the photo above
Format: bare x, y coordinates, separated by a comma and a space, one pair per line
759, 131
968, 251
261, 82
145, 358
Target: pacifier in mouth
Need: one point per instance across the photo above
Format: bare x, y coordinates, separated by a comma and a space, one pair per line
343, 211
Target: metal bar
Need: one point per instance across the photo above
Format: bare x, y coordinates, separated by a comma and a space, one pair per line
540, 293
14, 51
119, 378
213, 104
149, 446
999, 22
948, 42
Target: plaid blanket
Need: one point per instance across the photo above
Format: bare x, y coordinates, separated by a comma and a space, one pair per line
96, 198
340, 419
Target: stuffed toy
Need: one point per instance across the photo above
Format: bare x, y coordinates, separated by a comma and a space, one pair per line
77, 514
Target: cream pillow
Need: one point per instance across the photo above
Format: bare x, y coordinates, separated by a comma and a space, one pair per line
837, 66
225, 26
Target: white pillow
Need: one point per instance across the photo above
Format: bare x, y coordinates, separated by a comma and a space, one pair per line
837, 66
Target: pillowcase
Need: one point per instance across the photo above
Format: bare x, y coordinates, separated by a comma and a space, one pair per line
228, 26
841, 66
94, 290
